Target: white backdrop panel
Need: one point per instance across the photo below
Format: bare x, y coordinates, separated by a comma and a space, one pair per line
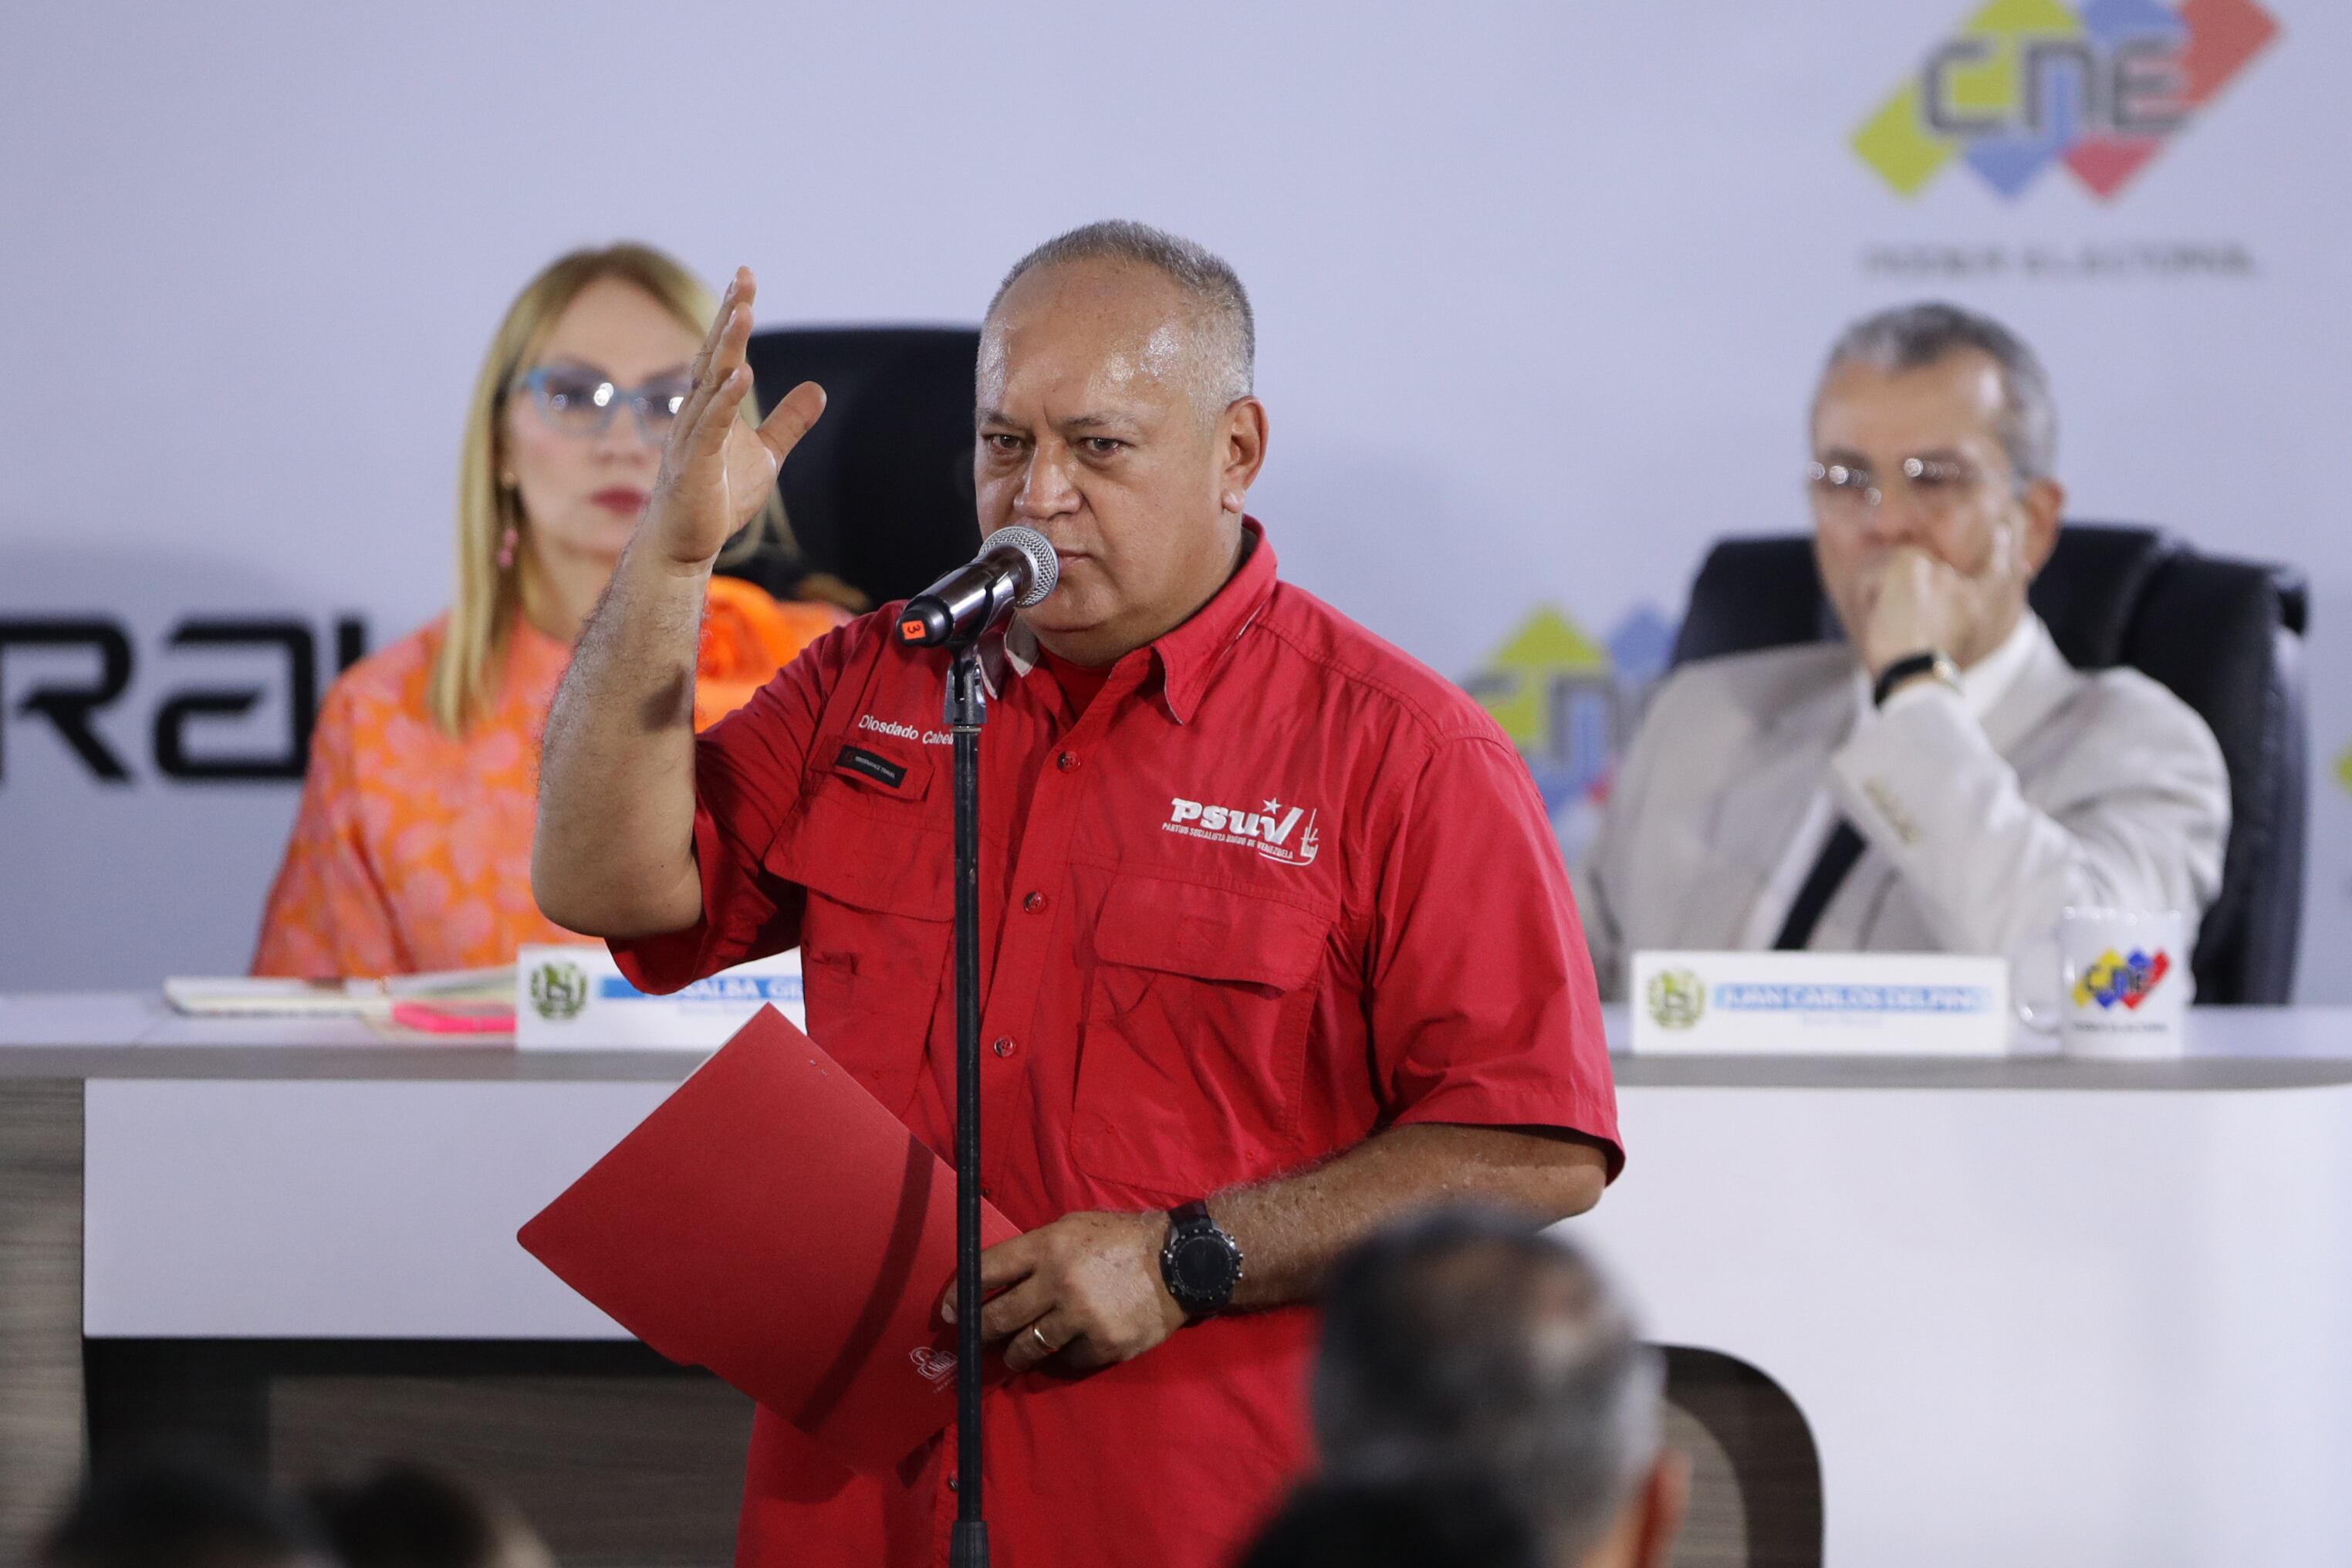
1541, 291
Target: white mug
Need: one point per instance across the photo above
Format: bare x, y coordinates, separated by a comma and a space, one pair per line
2124, 984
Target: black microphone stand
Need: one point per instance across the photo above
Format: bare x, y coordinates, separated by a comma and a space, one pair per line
954, 613
966, 711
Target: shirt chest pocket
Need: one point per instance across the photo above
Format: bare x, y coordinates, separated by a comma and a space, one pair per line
1194, 1038
875, 932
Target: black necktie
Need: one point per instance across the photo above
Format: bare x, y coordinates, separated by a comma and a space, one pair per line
1838, 857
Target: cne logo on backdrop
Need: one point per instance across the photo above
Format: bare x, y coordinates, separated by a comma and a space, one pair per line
2099, 89
1571, 703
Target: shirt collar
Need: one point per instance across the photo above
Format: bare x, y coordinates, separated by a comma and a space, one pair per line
1984, 683
1187, 654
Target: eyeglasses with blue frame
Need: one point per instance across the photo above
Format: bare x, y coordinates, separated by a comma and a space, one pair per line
580, 400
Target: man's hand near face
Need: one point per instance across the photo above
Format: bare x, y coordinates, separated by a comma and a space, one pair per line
1933, 434
1920, 607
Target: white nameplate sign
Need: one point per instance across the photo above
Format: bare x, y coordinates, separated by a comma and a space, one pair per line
575, 998
1820, 1005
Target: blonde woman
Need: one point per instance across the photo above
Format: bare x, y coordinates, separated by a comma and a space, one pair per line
411, 849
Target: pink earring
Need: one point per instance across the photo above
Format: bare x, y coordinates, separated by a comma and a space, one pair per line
507, 542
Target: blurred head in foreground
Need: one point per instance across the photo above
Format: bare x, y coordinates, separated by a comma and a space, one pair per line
1441, 1522
1935, 438
177, 1514
1468, 1345
405, 1516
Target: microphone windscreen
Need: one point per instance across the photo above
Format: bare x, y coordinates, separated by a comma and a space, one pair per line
1044, 567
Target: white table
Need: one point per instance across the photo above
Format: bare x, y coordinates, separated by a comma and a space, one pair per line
2034, 1311
2038, 1312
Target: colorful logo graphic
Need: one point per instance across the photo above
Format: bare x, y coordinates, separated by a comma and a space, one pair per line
2113, 980
1571, 704
1677, 998
2100, 86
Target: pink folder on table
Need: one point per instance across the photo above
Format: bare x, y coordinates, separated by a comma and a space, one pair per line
772, 1222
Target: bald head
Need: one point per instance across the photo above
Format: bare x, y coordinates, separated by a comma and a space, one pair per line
1112, 413
1202, 335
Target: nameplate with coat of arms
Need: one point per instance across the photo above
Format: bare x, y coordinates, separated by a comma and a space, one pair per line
576, 999
1820, 1005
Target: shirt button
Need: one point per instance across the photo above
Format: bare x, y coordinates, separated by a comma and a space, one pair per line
1033, 902
1005, 1046
951, 1483
1067, 762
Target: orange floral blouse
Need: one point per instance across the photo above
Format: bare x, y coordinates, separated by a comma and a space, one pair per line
412, 851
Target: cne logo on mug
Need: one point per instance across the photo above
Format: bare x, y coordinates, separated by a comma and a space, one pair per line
2115, 979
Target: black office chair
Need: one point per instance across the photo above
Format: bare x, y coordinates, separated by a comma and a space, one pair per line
1756, 1474
880, 493
2225, 637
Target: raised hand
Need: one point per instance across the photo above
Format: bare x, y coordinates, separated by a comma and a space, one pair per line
717, 471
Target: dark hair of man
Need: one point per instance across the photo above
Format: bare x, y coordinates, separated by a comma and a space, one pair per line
1912, 337
1469, 1342
1225, 331
177, 1512
1452, 1522
405, 1516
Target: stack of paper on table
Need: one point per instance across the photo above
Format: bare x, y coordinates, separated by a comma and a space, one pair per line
772, 1222
245, 996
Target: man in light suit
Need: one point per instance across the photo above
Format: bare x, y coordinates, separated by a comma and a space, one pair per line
1942, 780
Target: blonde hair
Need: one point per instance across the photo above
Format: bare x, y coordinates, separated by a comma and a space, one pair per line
473, 644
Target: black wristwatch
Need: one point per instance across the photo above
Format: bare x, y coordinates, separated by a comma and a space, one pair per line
1200, 1263
1929, 663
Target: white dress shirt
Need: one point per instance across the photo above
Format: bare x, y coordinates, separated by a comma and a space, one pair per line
1982, 684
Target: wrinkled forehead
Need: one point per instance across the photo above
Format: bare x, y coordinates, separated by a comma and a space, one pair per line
1087, 332
1953, 403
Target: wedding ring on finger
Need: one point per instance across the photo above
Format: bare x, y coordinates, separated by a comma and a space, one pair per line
1043, 1343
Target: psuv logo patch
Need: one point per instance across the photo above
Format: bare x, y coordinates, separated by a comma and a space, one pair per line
1270, 831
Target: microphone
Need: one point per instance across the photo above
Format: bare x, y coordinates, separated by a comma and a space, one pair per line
1014, 566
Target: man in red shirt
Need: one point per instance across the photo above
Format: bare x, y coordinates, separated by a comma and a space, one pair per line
1271, 914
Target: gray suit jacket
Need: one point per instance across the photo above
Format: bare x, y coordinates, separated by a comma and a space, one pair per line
2075, 789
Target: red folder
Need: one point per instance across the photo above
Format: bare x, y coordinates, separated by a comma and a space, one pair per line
772, 1222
